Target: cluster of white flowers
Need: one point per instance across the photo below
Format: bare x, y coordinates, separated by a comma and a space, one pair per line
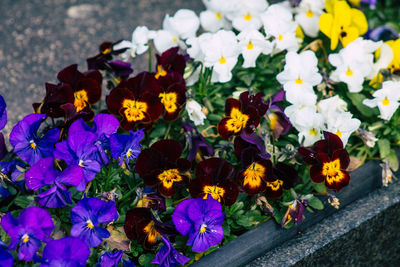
269, 29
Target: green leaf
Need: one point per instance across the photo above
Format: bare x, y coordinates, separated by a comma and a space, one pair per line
320, 188
357, 100
23, 201
393, 160
315, 203
384, 148
146, 259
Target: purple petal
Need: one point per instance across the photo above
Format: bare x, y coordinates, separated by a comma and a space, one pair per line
180, 219
3, 113
3, 150
39, 219
110, 259
72, 175
40, 174
6, 259
27, 250
55, 198
105, 124
67, 249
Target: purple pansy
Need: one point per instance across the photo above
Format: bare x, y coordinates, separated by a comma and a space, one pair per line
110, 259
79, 150
201, 220
67, 251
125, 147
384, 33
279, 122
6, 259
104, 125
42, 174
27, 232
3, 113
86, 217
27, 145
14, 169
168, 256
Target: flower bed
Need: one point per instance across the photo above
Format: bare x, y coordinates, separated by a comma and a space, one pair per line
229, 129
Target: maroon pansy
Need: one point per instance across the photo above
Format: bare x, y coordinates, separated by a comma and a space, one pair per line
172, 95
170, 61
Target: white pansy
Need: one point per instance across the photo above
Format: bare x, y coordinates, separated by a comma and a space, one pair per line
193, 108
307, 122
299, 76
386, 99
252, 43
308, 13
214, 18
138, 45
342, 124
354, 63
278, 22
221, 52
385, 58
184, 24
332, 104
247, 17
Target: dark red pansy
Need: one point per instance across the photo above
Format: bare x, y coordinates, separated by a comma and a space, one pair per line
256, 101
255, 177
241, 115
215, 178
170, 61
141, 226
161, 166
284, 177
249, 148
172, 95
329, 161
136, 100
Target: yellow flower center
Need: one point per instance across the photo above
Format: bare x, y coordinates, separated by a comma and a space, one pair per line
218, 15
129, 153
222, 60
203, 228
273, 118
25, 238
250, 46
90, 224
280, 37
151, 232
339, 133
80, 100
169, 100
313, 132
168, 177
349, 72
216, 192
275, 185
253, 175
331, 170
106, 51
298, 81
237, 121
247, 17
160, 72
174, 40
134, 110
32, 144
385, 101
309, 14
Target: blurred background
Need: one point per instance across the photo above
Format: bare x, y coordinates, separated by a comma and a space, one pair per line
41, 37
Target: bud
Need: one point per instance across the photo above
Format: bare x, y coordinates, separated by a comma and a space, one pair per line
368, 138
387, 174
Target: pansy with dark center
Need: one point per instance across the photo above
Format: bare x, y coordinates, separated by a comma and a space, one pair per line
201, 220
215, 177
161, 166
283, 177
329, 161
198, 146
27, 232
126, 147
136, 100
67, 251
170, 61
26, 142
42, 174
110, 259
242, 115
172, 95
167, 255
141, 226
87, 216
278, 122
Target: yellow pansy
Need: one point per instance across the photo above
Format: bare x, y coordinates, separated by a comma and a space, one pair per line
341, 22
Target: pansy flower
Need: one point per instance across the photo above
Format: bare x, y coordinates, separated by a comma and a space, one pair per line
110, 259
152, 200
242, 115
42, 174
87, 216
283, 177
6, 259
141, 226
136, 100
279, 123
161, 166
167, 255
27, 232
126, 147
3, 113
201, 220
198, 145
67, 251
215, 178
172, 95
329, 161
26, 142
170, 61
